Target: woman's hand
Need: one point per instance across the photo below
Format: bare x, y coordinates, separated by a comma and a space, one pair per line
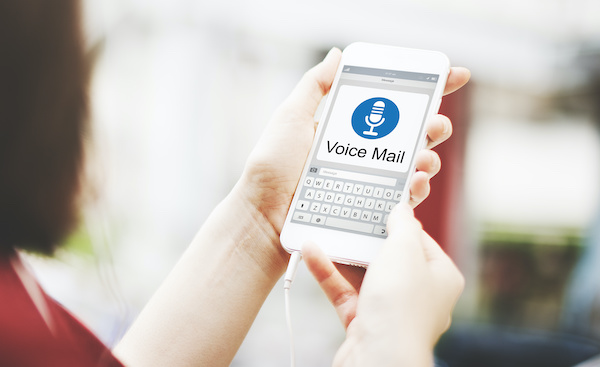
274, 167
405, 302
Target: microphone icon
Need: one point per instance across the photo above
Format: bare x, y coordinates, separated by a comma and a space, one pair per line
375, 118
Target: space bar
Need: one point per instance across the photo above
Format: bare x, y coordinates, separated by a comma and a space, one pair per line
350, 225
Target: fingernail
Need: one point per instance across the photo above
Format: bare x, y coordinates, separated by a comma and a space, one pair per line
446, 127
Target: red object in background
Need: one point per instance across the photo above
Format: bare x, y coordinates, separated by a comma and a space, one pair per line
442, 212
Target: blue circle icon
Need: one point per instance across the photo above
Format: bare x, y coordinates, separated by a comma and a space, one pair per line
375, 118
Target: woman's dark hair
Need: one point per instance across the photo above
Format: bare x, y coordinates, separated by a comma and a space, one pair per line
43, 112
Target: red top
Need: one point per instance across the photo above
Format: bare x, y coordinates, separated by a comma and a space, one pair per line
27, 340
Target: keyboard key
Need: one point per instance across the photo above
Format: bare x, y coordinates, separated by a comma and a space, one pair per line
346, 212
397, 195
376, 218
302, 217
366, 216
328, 185
320, 195
368, 191
315, 207
389, 206
349, 200
359, 202
329, 196
302, 205
338, 186
348, 187
308, 181
388, 194
380, 230
355, 214
319, 182
309, 194
339, 199
335, 210
378, 192
369, 204
358, 189
349, 225
380, 205
325, 208
318, 219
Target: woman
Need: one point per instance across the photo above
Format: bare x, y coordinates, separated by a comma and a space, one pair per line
203, 310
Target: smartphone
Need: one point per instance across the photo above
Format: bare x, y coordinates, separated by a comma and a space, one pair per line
363, 154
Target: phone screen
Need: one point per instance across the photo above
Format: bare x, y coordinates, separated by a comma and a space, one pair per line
361, 163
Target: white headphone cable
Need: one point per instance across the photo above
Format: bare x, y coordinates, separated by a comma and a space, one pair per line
287, 284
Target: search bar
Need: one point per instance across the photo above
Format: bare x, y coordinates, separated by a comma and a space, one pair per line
354, 176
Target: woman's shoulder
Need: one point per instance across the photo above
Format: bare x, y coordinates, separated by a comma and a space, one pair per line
35, 330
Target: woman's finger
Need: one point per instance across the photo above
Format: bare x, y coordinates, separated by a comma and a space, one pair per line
429, 162
419, 188
341, 293
439, 129
458, 77
315, 83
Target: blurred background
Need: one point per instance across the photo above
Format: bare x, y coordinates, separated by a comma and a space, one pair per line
182, 89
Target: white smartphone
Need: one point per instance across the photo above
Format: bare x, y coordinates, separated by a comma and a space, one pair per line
363, 154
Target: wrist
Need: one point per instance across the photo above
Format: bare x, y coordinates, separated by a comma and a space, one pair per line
254, 231
362, 347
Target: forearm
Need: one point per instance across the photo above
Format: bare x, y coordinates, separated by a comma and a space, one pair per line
202, 312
